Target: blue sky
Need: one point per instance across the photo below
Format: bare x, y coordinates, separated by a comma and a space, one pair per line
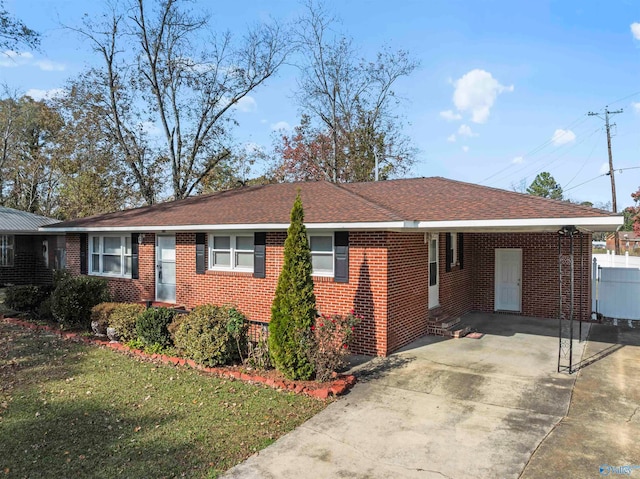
501, 94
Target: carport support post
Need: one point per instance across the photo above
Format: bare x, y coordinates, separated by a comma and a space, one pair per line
571, 289
569, 231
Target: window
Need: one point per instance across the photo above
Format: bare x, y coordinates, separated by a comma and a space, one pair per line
6, 250
322, 254
454, 249
231, 252
110, 255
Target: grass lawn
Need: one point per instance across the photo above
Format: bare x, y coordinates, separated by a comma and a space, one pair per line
71, 410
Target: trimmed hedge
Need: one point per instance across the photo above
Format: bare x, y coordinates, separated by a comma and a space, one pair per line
151, 327
73, 298
212, 335
101, 313
26, 298
123, 319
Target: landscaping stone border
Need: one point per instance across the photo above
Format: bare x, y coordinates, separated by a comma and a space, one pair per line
339, 386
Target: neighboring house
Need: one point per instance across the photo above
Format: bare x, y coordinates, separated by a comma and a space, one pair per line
627, 240
395, 251
27, 255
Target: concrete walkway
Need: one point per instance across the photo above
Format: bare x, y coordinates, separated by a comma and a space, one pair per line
602, 429
440, 408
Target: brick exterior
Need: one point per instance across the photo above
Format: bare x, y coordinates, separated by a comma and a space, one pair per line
388, 281
28, 265
540, 291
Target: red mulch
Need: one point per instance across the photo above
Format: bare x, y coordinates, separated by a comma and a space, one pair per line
272, 378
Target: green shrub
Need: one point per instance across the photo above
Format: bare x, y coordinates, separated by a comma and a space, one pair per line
27, 298
294, 305
73, 298
151, 326
44, 310
100, 313
212, 335
123, 319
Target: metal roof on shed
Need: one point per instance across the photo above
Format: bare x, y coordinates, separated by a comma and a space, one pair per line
16, 221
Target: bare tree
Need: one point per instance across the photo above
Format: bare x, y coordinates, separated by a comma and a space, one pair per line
352, 98
177, 78
14, 33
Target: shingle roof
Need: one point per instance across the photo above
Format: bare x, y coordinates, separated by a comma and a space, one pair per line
16, 221
419, 199
441, 199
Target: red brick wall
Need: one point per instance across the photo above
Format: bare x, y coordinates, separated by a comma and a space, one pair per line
365, 292
408, 263
123, 289
456, 286
540, 290
388, 281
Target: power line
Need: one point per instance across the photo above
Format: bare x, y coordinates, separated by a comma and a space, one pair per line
614, 202
595, 143
540, 147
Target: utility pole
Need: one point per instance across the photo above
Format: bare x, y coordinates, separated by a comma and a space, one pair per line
614, 203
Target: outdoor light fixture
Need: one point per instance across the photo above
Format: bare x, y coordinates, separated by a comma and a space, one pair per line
568, 230
140, 238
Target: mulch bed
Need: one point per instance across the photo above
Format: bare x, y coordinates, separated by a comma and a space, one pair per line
272, 378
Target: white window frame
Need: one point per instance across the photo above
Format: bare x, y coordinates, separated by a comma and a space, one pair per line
101, 254
326, 274
454, 249
232, 251
5, 247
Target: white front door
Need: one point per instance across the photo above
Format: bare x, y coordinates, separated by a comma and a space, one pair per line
166, 269
508, 294
434, 290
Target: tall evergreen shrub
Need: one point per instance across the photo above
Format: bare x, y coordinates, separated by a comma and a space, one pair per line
293, 310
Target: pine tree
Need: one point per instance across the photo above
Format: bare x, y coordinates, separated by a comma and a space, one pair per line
293, 310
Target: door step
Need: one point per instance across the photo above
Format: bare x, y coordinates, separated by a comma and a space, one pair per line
441, 324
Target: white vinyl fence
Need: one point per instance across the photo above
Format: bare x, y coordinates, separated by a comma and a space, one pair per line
616, 291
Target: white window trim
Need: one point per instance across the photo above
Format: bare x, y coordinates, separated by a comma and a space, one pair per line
324, 274
123, 255
232, 251
4, 245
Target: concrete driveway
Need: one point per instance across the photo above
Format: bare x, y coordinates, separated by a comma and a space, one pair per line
439, 408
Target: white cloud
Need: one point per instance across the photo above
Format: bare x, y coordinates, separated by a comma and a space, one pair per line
465, 130
246, 104
451, 138
11, 58
38, 94
518, 160
562, 137
465, 149
636, 106
635, 30
450, 115
49, 66
281, 125
604, 168
476, 92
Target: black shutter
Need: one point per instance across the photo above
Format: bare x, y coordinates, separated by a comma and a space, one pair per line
201, 246
341, 266
259, 255
461, 250
84, 242
449, 259
134, 255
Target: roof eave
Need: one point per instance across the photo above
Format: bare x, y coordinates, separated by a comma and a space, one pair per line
589, 224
